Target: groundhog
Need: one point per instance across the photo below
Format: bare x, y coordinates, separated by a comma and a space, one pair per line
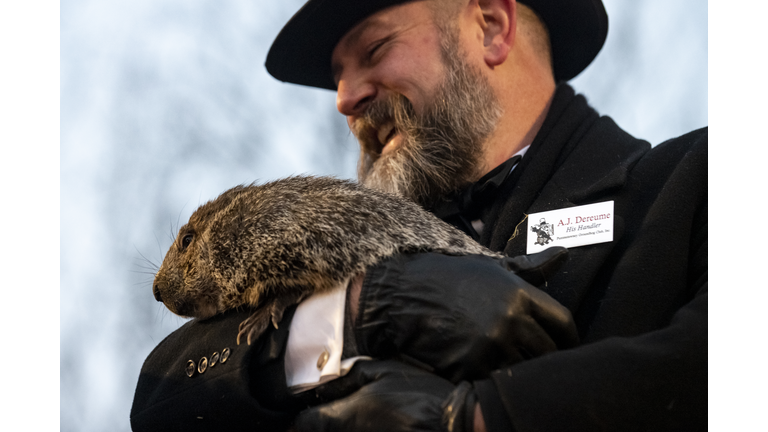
268, 247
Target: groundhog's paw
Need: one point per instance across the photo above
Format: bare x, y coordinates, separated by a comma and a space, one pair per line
278, 307
270, 310
254, 325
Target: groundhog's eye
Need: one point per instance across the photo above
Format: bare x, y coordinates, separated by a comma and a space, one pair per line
186, 240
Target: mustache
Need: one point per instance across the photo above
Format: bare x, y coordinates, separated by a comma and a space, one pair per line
395, 108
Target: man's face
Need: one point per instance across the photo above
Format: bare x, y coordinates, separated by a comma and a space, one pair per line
419, 111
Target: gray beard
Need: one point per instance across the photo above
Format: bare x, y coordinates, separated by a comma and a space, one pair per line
441, 150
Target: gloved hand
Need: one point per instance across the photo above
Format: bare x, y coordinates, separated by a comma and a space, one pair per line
389, 396
464, 316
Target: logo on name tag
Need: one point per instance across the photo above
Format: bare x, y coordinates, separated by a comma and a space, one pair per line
570, 227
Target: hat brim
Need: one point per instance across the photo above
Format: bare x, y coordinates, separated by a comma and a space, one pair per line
301, 52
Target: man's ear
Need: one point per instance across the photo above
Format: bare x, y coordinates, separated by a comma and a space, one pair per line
499, 32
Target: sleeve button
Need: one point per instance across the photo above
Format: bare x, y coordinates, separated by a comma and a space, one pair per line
203, 365
190, 369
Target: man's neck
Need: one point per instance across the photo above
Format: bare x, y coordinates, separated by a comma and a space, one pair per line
516, 130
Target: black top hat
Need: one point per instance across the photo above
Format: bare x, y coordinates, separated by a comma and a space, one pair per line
301, 53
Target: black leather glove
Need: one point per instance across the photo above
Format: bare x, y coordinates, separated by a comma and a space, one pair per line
464, 316
389, 396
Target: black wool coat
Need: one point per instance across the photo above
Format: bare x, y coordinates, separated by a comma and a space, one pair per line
639, 302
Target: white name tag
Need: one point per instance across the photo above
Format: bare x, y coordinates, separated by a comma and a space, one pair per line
570, 227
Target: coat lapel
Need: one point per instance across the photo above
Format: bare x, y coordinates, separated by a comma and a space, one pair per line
577, 158
552, 174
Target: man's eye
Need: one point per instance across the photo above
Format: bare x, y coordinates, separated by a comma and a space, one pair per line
372, 51
375, 47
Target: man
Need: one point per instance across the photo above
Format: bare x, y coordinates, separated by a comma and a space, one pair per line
462, 106
439, 94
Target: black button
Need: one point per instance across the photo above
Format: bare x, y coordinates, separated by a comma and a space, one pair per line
190, 369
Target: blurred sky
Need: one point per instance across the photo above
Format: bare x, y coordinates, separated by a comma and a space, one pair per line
166, 103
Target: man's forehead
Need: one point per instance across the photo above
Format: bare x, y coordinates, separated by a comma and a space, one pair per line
385, 19
378, 21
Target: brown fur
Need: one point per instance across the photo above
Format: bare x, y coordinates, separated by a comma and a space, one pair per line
269, 246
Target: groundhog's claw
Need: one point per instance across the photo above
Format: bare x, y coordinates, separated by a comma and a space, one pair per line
254, 325
270, 310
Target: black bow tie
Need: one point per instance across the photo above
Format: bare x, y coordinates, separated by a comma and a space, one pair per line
462, 208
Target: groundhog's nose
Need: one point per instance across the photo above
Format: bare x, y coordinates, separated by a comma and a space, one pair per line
156, 292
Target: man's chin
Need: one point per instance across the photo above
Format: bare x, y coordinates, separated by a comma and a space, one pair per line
381, 174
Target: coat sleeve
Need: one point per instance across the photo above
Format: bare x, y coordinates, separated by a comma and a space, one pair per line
243, 389
657, 381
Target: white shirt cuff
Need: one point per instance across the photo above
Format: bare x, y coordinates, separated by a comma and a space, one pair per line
315, 341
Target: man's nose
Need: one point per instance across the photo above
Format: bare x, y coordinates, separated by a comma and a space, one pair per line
354, 96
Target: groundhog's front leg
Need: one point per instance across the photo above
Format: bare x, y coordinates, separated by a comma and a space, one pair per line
271, 309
